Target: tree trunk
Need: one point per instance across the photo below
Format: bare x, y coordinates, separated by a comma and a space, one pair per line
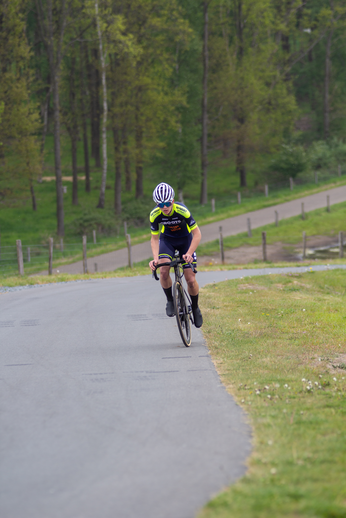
117, 163
101, 202
57, 156
139, 156
74, 139
240, 155
240, 117
33, 197
73, 132
44, 130
54, 59
127, 164
84, 120
204, 143
95, 110
328, 66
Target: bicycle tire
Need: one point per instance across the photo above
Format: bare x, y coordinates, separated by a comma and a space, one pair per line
182, 313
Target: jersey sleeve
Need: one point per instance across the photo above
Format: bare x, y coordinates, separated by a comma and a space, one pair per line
184, 211
155, 221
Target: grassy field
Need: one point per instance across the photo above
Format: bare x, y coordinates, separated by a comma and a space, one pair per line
19, 221
279, 344
317, 223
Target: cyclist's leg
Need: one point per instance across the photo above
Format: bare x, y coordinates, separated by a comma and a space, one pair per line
192, 284
166, 253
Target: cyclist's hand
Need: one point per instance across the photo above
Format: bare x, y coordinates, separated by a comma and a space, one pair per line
188, 258
153, 264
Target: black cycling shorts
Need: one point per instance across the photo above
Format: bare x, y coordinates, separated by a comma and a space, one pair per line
167, 248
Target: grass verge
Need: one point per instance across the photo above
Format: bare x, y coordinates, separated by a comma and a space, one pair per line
141, 268
318, 222
279, 344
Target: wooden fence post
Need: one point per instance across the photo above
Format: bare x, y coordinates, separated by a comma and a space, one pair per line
20, 257
128, 240
213, 204
249, 233
50, 256
303, 213
239, 197
316, 177
276, 218
291, 183
339, 169
304, 245
94, 236
85, 263
328, 204
28, 252
266, 191
341, 244
61, 244
221, 246
264, 245
125, 229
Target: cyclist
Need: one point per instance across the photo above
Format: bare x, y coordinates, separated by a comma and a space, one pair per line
179, 232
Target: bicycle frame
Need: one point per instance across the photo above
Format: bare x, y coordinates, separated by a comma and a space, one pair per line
182, 300
178, 273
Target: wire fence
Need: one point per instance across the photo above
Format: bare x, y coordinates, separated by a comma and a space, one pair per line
34, 258
30, 259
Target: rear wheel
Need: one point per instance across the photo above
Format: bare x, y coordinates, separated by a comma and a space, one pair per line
182, 314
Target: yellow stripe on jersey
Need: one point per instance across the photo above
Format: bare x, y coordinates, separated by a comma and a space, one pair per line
182, 210
154, 213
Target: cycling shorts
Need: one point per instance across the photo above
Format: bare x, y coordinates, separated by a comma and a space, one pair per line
167, 248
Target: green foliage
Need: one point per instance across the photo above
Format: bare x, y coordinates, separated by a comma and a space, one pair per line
290, 161
320, 155
103, 222
20, 119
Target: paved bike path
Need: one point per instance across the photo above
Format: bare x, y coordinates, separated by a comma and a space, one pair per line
230, 227
104, 412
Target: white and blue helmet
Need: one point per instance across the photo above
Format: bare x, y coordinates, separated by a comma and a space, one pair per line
162, 193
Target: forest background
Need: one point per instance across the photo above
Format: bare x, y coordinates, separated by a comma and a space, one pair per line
118, 96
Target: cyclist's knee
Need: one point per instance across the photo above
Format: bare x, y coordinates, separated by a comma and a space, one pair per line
164, 272
191, 283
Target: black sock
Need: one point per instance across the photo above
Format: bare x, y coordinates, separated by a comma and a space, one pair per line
194, 301
168, 292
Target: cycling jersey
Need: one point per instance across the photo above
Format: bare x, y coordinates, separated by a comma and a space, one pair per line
177, 225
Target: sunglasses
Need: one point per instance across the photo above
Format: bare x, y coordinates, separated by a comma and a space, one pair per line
165, 204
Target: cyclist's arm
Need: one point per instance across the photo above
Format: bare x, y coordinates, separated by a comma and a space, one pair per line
196, 238
154, 242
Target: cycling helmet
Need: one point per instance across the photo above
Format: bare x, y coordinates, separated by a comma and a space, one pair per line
163, 192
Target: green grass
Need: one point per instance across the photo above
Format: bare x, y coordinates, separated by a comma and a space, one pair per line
317, 223
19, 221
279, 344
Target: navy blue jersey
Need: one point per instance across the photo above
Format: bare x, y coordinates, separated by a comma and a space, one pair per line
178, 224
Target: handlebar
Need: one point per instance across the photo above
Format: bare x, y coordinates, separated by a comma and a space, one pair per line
173, 263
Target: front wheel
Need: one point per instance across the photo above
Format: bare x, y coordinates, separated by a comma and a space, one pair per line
182, 314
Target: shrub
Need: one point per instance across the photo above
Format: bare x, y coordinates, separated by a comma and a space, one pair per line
338, 149
320, 155
290, 161
103, 221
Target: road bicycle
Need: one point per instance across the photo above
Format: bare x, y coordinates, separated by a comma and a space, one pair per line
181, 299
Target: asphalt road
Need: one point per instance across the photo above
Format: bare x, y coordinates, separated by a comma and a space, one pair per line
104, 412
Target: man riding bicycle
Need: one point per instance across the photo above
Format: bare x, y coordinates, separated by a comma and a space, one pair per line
179, 232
